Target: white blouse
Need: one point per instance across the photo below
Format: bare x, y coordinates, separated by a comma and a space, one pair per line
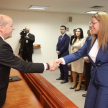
94, 51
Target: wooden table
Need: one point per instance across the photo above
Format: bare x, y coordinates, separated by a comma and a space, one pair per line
19, 95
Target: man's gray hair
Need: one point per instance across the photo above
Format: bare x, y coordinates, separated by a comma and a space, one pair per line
2, 20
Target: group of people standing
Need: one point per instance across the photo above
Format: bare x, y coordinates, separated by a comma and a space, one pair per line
95, 47
76, 41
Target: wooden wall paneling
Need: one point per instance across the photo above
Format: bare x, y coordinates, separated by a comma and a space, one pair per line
40, 93
46, 95
55, 95
48, 92
45, 92
33, 86
46, 103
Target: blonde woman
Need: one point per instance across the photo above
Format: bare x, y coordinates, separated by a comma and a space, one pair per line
96, 48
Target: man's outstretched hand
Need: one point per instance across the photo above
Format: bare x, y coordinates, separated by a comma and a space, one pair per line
55, 64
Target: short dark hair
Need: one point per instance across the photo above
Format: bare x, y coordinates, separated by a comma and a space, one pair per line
63, 26
74, 29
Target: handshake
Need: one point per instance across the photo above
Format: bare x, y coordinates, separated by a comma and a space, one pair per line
55, 64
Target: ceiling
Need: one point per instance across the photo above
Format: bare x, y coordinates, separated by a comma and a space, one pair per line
66, 6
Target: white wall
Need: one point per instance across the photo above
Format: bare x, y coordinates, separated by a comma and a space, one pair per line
46, 28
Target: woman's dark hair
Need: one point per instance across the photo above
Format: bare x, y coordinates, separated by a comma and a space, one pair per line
81, 35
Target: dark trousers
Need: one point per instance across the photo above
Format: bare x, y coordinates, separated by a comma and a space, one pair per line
97, 96
87, 74
64, 71
2, 96
27, 56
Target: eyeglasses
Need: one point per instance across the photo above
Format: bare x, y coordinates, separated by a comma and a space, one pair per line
92, 23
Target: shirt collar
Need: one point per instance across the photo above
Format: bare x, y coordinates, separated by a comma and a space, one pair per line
63, 34
2, 37
27, 34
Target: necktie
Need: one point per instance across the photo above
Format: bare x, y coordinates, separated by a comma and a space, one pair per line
61, 37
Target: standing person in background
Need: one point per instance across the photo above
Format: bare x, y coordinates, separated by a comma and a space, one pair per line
87, 66
62, 50
27, 40
89, 34
77, 66
73, 36
21, 41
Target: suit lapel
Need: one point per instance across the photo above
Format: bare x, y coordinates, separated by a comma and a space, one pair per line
89, 48
89, 44
63, 37
92, 62
60, 40
100, 54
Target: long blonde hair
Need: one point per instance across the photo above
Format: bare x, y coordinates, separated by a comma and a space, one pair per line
102, 17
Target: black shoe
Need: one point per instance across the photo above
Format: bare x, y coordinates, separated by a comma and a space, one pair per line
73, 87
83, 95
59, 78
64, 81
78, 89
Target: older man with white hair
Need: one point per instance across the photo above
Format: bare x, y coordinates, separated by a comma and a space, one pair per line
8, 59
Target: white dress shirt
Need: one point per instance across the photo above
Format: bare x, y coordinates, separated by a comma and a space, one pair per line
94, 51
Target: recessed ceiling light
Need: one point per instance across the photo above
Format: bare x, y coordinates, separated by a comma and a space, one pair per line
92, 12
38, 7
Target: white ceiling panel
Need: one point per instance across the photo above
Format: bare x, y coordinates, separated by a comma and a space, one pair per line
67, 6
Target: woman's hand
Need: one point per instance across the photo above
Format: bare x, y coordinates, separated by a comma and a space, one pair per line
86, 60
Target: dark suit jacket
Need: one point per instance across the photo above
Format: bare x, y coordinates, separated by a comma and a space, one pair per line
28, 47
99, 70
72, 37
63, 45
8, 60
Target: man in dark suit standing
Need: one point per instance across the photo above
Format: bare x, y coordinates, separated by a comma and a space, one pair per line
8, 59
87, 66
62, 50
27, 40
73, 36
